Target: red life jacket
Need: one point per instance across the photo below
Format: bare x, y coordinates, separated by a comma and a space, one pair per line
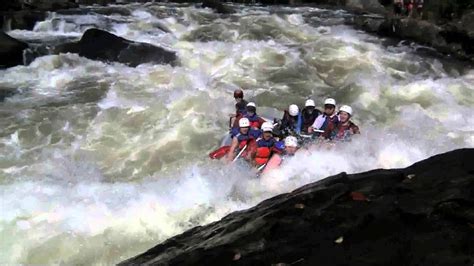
255, 120
264, 150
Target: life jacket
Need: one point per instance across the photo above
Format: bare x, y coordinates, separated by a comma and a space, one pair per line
240, 108
344, 133
291, 124
334, 119
264, 151
242, 139
308, 119
255, 120
245, 139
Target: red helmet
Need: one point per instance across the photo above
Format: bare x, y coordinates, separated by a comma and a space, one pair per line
238, 93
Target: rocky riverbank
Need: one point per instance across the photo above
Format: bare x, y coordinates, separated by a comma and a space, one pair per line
449, 28
420, 215
454, 38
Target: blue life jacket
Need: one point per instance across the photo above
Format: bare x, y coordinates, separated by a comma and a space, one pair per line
334, 119
266, 143
280, 145
252, 134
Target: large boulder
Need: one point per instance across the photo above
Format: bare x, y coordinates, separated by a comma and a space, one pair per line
451, 38
95, 2
420, 215
6, 92
9, 5
11, 51
24, 19
101, 45
371, 6
467, 23
441, 11
217, 6
368, 23
49, 5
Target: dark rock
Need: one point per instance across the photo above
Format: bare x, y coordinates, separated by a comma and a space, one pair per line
23, 20
450, 38
23, 14
420, 215
368, 24
371, 6
217, 6
95, 2
442, 11
101, 45
50, 5
11, 51
6, 92
10, 5
467, 23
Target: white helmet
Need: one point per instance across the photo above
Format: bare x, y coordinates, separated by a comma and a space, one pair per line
244, 122
346, 108
267, 126
330, 101
251, 104
291, 141
309, 102
293, 110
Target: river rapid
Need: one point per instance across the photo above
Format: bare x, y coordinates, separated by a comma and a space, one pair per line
99, 162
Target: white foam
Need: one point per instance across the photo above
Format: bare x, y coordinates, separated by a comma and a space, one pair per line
118, 173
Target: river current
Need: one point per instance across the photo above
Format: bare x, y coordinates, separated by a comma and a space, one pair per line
101, 161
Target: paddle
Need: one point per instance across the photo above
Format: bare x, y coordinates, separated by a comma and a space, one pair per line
261, 167
240, 153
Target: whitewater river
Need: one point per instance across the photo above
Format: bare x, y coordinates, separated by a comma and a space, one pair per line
99, 162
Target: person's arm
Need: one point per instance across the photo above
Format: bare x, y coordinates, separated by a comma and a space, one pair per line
315, 124
355, 129
231, 153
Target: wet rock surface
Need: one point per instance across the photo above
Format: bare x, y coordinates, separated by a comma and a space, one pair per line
101, 45
218, 6
11, 50
420, 215
447, 26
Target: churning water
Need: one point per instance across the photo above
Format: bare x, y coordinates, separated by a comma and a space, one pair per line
99, 162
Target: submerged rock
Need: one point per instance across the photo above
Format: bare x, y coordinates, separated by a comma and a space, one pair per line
6, 92
11, 51
218, 6
420, 215
101, 45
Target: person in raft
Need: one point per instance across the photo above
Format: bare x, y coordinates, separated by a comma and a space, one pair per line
308, 115
241, 138
240, 106
291, 122
329, 117
344, 130
266, 145
251, 114
291, 147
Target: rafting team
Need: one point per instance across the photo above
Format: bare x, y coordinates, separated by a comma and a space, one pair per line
265, 144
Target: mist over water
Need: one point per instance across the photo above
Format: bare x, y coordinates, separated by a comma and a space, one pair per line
99, 162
